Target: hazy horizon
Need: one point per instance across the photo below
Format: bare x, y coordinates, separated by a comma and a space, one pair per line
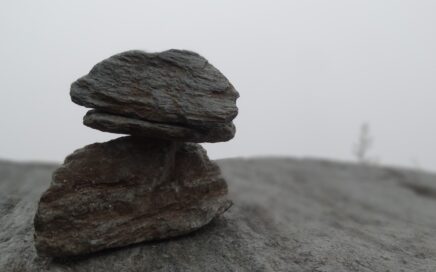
309, 72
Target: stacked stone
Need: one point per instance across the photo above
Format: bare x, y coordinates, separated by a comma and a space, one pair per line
156, 183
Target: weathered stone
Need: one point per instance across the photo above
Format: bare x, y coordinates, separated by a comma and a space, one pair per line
174, 88
126, 191
126, 125
289, 215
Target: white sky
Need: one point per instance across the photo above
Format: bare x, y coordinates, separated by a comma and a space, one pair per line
309, 72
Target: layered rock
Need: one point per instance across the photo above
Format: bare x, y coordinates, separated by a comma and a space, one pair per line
126, 191
125, 125
176, 89
155, 184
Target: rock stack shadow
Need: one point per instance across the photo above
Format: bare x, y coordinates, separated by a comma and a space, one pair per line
155, 184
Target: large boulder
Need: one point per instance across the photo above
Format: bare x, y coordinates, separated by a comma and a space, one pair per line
288, 215
127, 191
177, 89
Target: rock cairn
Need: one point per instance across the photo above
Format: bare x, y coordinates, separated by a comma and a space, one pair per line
155, 183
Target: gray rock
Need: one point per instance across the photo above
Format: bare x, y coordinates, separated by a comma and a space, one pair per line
288, 215
126, 125
127, 191
173, 88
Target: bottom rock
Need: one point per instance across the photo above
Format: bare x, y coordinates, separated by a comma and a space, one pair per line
127, 191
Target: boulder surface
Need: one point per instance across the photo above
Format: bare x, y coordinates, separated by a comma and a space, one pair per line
173, 88
288, 215
127, 191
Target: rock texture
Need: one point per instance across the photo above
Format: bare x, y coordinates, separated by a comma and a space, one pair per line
120, 124
127, 191
152, 92
288, 215
155, 184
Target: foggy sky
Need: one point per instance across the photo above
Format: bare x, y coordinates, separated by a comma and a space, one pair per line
308, 72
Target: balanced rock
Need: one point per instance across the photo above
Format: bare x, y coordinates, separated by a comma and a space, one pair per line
174, 94
155, 184
126, 191
120, 124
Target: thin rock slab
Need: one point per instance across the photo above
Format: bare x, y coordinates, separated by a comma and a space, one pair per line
126, 125
126, 191
174, 88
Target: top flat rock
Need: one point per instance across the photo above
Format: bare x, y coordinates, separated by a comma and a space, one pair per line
173, 87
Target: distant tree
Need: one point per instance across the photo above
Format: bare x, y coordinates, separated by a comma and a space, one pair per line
363, 144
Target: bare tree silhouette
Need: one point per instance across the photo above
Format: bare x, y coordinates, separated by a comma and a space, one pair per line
363, 145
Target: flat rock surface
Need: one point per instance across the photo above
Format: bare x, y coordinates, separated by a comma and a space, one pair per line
126, 191
174, 87
289, 215
119, 124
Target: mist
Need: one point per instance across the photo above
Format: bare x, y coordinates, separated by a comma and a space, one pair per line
309, 73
